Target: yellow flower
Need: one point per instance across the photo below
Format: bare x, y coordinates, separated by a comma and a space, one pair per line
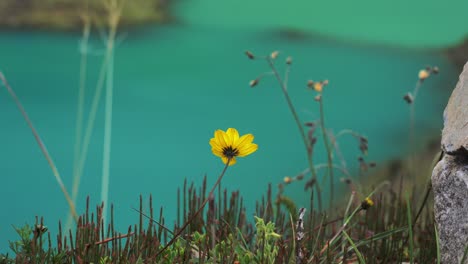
367, 203
423, 74
228, 145
318, 87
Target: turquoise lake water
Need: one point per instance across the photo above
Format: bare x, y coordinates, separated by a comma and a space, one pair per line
174, 86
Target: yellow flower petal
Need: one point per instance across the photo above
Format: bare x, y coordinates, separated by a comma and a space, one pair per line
219, 136
233, 135
227, 139
232, 162
217, 152
245, 139
214, 143
247, 149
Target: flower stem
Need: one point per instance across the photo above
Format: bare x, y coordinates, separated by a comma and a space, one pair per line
412, 125
108, 122
284, 88
114, 8
329, 151
80, 112
200, 209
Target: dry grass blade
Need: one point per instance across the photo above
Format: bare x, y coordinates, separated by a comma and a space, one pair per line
41, 145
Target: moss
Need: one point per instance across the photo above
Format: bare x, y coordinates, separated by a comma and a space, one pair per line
67, 14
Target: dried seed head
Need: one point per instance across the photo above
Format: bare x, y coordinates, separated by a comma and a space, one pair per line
274, 54
408, 98
310, 84
309, 184
318, 98
289, 60
363, 145
40, 229
435, 70
310, 135
254, 82
280, 186
287, 180
250, 55
313, 141
346, 180
300, 177
309, 124
367, 203
362, 164
424, 74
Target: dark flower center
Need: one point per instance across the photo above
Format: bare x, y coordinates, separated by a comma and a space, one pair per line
230, 152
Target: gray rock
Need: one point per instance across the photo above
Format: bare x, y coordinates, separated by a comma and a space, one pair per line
455, 133
450, 184
450, 177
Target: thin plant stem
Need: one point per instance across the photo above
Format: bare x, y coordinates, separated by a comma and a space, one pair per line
412, 124
325, 165
347, 131
107, 129
436, 160
200, 209
329, 151
42, 146
80, 111
114, 16
436, 233
284, 88
350, 202
342, 228
410, 230
92, 116
335, 145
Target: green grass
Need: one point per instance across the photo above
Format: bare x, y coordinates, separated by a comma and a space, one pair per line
375, 235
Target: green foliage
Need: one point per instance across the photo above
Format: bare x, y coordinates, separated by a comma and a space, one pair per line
378, 234
266, 238
105, 260
24, 244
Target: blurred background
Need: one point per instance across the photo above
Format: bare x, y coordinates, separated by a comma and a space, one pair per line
180, 73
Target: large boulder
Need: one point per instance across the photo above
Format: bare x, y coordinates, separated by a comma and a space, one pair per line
450, 176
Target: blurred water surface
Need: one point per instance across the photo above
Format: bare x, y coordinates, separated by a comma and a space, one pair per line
174, 86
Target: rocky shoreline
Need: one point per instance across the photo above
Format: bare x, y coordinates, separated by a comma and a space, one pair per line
67, 15
458, 54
